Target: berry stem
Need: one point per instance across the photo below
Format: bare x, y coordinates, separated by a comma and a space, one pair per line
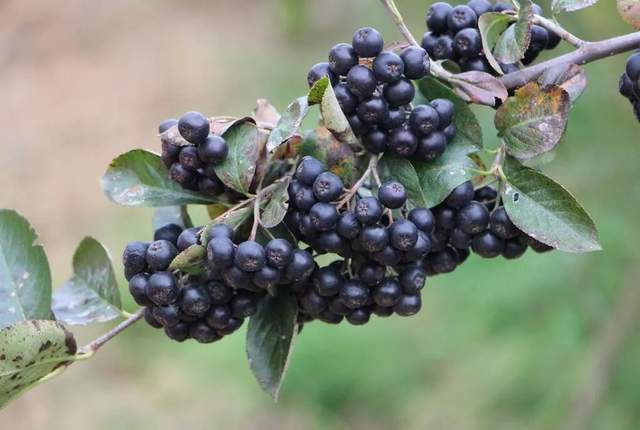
587, 53
397, 18
373, 164
559, 30
91, 348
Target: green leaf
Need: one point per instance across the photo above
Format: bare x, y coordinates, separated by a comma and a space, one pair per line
569, 77
91, 294
316, 93
233, 219
534, 120
172, 215
546, 211
191, 260
429, 183
270, 339
238, 169
513, 43
479, 87
465, 121
558, 6
25, 276
29, 351
332, 116
491, 26
275, 209
289, 123
337, 156
140, 178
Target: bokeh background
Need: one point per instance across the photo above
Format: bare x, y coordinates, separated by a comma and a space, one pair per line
546, 342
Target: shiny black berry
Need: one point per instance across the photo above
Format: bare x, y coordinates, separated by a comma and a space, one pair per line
431, 146
467, 43
513, 249
487, 244
327, 281
213, 150
304, 198
368, 210
133, 258
388, 293
408, 305
373, 110
403, 235
195, 300
445, 110
346, 99
300, 267
354, 294
244, 305
138, 289
501, 225
374, 238
424, 119
160, 254
218, 316
279, 253
361, 81
348, 226
202, 333
473, 218
219, 231
308, 170
412, 280
461, 17
319, 71
359, 316
188, 237
633, 67
402, 142
437, 16
220, 252
399, 93
392, 194
313, 303
423, 219
388, 67
371, 273
327, 187
444, 261
367, 42
324, 216
166, 125
460, 196
445, 217
460, 239
375, 141
416, 62
342, 58
178, 332
480, 6
162, 288
194, 127
178, 173
250, 256
443, 48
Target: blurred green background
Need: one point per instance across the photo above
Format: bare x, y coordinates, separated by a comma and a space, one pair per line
546, 342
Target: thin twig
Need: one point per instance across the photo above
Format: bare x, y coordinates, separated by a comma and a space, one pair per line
96, 344
256, 217
559, 30
589, 52
397, 18
373, 163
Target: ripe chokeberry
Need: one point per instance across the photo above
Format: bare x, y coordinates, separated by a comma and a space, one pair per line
389, 256
460, 239
412, 280
167, 124
178, 332
150, 319
346, 99
416, 62
160, 254
467, 43
138, 289
300, 267
194, 127
220, 252
162, 288
348, 226
423, 219
392, 194
461, 17
487, 245
374, 238
632, 67
188, 237
250, 256
218, 316
327, 281
308, 170
399, 93
396, 117
189, 158
375, 141
431, 146
267, 277
359, 316
403, 235
443, 48
473, 218
480, 6
513, 249
444, 261
327, 187
424, 120
235, 277
437, 16
460, 196
304, 198
342, 58
278, 253
409, 304
388, 67
219, 231
367, 42
324, 216
445, 110
134, 258
319, 71
354, 294
445, 217
361, 81
368, 210
388, 293
202, 333
219, 293
371, 273
194, 300
178, 173
373, 110
402, 142
312, 303
213, 150
501, 225
244, 305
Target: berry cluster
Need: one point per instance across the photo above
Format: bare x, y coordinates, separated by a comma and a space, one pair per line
453, 35
630, 83
199, 307
471, 220
374, 90
382, 276
192, 165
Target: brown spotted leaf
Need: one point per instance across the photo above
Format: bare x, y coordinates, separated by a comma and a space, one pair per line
332, 116
570, 77
534, 120
337, 156
265, 113
239, 168
29, 351
289, 123
479, 87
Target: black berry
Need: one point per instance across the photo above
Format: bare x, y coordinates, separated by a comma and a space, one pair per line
388, 67
213, 150
367, 42
342, 58
361, 81
460, 196
437, 16
408, 305
416, 62
368, 210
279, 253
399, 93
473, 218
160, 254
162, 288
424, 119
194, 127
487, 245
319, 71
327, 187
392, 194
354, 294
250, 256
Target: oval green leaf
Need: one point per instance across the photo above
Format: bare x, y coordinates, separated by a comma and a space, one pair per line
513, 43
429, 183
29, 351
276, 204
140, 178
546, 211
191, 260
25, 276
491, 26
239, 168
91, 294
534, 120
332, 116
289, 123
270, 339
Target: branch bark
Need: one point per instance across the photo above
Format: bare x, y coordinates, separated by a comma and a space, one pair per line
95, 345
587, 53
